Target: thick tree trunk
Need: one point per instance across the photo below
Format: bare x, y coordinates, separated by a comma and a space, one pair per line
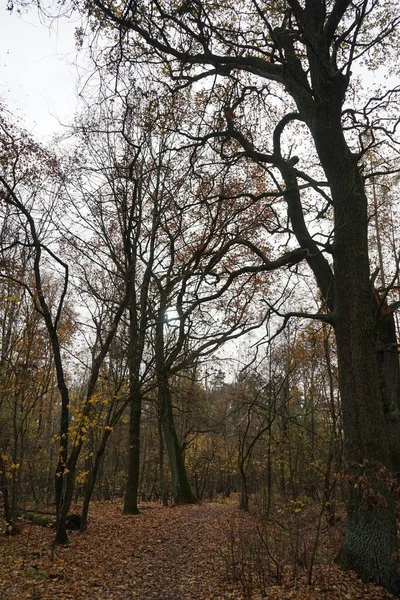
60, 475
132, 484
370, 541
61, 526
357, 327
6, 497
368, 370
181, 490
390, 381
135, 352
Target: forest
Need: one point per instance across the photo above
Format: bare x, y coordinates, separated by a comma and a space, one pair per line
199, 294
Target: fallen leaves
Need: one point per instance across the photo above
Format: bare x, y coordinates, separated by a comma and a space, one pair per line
161, 554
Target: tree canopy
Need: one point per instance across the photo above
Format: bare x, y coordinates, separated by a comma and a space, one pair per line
235, 160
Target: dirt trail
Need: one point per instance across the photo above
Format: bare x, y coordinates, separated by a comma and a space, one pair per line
176, 553
162, 554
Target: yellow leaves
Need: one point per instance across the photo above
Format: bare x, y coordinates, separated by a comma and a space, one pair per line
296, 506
95, 399
82, 476
108, 428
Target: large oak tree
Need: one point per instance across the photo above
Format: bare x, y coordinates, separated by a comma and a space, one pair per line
303, 52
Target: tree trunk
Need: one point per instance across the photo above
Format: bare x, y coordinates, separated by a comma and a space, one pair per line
163, 489
6, 497
369, 378
370, 541
244, 493
181, 490
92, 476
269, 468
390, 379
132, 484
68, 480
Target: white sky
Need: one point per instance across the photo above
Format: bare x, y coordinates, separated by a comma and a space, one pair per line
38, 72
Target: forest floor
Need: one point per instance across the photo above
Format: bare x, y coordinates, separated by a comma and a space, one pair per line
211, 551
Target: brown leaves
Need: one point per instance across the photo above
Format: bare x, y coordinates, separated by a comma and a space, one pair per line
163, 553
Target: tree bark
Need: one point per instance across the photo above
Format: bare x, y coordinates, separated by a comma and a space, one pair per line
390, 378
370, 541
244, 492
6, 497
132, 484
92, 476
163, 489
135, 350
181, 490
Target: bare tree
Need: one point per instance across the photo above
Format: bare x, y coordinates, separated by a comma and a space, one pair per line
304, 53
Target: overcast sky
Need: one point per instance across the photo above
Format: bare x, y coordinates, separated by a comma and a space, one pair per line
38, 72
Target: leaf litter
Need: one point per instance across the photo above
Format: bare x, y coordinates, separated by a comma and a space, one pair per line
179, 553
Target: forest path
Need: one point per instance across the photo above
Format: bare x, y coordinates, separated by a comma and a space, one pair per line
169, 554
180, 553
161, 554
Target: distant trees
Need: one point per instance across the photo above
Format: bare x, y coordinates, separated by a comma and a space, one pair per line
27, 167
158, 282
181, 198
29, 174
27, 382
168, 252
299, 58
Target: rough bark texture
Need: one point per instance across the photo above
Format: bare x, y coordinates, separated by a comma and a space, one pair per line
370, 541
163, 489
61, 525
6, 497
136, 343
244, 492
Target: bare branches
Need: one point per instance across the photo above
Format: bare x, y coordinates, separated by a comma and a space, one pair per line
337, 13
